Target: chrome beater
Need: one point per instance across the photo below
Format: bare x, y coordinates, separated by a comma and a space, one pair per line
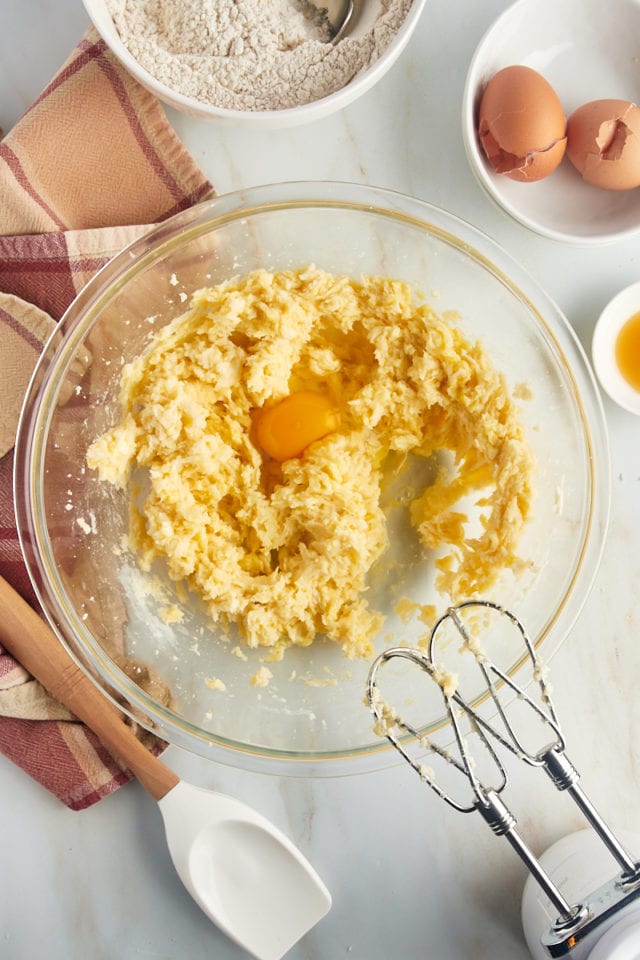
576, 924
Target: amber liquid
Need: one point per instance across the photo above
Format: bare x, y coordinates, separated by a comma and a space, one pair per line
628, 351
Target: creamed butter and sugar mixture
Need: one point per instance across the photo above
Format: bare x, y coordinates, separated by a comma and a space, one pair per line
281, 546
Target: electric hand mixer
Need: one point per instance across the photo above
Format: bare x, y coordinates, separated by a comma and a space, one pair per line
578, 926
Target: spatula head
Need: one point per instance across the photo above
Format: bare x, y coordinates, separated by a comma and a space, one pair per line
244, 873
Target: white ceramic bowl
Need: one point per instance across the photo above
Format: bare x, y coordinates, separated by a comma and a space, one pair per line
291, 117
587, 50
603, 347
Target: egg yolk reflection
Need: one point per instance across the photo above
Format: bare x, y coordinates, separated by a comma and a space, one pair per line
286, 429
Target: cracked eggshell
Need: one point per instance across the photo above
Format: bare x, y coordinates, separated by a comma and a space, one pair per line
521, 124
603, 143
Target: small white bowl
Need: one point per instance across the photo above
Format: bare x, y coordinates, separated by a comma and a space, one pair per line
291, 117
623, 306
586, 50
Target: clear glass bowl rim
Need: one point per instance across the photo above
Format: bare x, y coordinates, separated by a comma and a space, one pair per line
72, 328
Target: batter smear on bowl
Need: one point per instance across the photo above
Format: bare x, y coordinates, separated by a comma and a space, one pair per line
264, 419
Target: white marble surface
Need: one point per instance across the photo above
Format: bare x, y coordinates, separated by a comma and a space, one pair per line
409, 877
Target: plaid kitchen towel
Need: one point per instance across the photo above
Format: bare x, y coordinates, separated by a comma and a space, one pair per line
87, 169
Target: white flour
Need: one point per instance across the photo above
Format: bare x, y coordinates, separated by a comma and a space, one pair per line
248, 54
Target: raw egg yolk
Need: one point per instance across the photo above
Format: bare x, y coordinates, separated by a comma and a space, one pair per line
286, 429
628, 351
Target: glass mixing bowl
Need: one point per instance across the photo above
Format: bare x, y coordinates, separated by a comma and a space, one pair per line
310, 718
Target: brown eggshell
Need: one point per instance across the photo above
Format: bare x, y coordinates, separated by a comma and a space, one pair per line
603, 143
521, 124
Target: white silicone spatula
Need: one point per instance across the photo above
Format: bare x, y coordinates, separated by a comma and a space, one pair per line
249, 879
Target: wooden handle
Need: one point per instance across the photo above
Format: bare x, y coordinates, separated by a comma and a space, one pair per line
25, 635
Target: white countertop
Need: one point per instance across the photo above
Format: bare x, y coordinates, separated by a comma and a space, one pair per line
410, 878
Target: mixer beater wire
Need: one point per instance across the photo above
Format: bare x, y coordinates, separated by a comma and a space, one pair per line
501, 693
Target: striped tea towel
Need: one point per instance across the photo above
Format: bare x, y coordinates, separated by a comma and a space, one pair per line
87, 169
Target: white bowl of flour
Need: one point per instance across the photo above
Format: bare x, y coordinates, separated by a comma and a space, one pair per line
252, 61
